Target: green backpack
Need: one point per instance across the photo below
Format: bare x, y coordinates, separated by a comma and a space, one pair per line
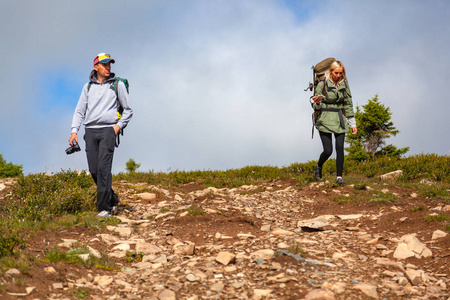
119, 107
319, 71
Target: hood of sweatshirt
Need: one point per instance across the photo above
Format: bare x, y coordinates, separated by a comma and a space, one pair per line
93, 77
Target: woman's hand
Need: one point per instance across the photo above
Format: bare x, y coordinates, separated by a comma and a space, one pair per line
317, 99
354, 130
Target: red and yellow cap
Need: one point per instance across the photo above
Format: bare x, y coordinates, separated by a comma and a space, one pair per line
103, 58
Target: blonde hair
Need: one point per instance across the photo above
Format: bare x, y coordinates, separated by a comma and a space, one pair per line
337, 64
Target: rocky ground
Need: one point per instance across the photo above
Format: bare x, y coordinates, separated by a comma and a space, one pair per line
271, 241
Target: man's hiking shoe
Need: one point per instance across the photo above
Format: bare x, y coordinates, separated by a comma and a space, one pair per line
114, 210
340, 181
318, 173
104, 214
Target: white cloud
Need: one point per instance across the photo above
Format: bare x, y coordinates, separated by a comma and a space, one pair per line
219, 84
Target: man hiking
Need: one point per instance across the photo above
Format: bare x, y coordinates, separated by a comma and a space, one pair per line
98, 107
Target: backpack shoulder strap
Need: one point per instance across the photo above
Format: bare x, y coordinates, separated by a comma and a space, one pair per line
325, 88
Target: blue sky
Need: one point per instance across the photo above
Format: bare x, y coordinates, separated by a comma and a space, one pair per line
218, 84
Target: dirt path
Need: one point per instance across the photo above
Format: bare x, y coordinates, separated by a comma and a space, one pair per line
272, 241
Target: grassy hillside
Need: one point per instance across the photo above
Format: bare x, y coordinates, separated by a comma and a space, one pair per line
40, 202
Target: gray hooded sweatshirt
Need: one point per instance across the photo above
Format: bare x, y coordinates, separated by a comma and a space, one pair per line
98, 106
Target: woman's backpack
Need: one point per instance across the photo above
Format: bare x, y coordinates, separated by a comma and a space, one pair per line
319, 71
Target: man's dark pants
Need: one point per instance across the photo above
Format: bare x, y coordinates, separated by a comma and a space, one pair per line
100, 143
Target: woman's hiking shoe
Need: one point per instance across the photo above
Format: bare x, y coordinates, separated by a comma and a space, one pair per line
104, 214
318, 173
114, 210
340, 181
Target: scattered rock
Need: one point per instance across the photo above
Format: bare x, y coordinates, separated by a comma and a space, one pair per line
317, 224
146, 196
12, 272
320, 294
50, 270
146, 248
391, 176
167, 295
414, 245
259, 294
225, 258
184, 249
58, 286
438, 234
368, 289
403, 252
265, 254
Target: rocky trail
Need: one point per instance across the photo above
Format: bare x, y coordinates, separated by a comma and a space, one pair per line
271, 241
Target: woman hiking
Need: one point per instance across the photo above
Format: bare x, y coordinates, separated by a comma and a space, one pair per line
333, 104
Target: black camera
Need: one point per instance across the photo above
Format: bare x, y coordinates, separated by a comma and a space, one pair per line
74, 148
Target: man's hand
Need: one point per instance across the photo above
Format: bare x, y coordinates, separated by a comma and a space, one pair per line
354, 130
116, 129
73, 136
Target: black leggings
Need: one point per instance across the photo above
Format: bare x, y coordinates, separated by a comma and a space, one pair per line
327, 144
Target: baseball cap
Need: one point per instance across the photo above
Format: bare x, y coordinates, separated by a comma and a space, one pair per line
103, 58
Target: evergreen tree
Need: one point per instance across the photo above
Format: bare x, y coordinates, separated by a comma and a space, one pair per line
9, 169
131, 165
374, 125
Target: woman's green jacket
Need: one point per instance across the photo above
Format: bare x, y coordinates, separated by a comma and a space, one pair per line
337, 97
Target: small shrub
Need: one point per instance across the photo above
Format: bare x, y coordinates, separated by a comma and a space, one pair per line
10, 238
40, 197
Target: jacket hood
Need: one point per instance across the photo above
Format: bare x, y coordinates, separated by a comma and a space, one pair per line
93, 76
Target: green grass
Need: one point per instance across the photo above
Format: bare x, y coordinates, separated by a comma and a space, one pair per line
20, 262
417, 208
296, 249
366, 196
380, 200
194, 210
71, 256
81, 293
132, 256
436, 218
